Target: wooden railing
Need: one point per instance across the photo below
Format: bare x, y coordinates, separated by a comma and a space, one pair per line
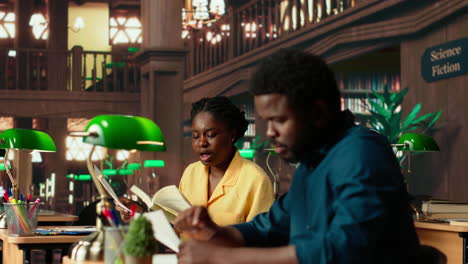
74, 70
104, 71
254, 25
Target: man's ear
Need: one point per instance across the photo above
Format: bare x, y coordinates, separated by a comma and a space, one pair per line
322, 114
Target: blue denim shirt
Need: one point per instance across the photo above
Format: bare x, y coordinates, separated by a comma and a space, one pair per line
352, 208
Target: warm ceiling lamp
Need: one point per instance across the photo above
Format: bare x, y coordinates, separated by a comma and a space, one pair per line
39, 26
217, 7
202, 14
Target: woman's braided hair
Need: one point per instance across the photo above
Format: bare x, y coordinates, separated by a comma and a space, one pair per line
224, 110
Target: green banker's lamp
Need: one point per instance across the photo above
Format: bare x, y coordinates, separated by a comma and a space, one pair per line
412, 142
23, 139
116, 132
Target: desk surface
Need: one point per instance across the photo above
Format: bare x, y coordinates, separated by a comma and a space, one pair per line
441, 226
13, 246
52, 216
158, 259
55, 239
445, 237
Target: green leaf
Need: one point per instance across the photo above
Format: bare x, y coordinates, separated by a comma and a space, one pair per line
436, 117
379, 96
409, 119
379, 110
398, 99
423, 118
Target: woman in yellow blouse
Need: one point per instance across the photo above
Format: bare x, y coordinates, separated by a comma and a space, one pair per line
232, 188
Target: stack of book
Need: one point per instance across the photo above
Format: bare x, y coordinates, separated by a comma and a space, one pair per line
452, 212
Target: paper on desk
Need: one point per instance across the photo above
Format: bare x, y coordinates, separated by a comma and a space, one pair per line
163, 231
165, 258
109, 189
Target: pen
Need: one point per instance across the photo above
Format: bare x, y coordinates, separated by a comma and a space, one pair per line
29, 198
31, 211
133, 209
107, 215
114, 217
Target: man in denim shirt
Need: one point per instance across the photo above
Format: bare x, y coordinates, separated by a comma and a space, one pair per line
347, 202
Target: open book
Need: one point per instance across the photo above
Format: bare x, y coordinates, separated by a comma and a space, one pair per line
109, 189
162, 230
168, 198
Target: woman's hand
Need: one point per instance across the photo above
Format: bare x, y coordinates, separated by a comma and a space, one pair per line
196, 224
125, 215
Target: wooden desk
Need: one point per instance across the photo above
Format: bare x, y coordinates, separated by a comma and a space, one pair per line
67, 260
52, 216
449, 239
157, 259
16, 248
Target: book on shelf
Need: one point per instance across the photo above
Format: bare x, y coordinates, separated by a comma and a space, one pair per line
169, 199
443, 207
459, 222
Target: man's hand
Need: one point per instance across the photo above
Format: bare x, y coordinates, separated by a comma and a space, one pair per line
194, 252
196, 224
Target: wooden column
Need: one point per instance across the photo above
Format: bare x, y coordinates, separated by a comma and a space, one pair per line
57, 44
162, 68
24, 39
56, 163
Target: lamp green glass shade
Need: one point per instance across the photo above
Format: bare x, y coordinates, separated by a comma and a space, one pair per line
417, 143
2, 167
17, 138
125, 132
154, 164
112, 172
134, 166
247, 153
79, 177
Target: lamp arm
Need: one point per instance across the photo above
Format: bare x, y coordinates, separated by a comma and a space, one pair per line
95, 178
276, 181
5, 159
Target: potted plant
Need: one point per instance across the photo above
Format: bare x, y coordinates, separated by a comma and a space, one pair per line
140, 244
386, 117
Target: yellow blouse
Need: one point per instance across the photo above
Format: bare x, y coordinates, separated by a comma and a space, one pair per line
244, 191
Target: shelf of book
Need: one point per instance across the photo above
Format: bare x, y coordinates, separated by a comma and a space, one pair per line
356, 88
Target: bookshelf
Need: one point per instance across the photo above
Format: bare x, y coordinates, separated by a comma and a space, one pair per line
356, 88
359, 76
248, 108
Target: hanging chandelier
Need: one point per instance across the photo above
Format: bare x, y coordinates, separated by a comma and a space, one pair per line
203, 12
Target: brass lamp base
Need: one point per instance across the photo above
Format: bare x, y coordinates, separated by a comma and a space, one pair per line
90, 248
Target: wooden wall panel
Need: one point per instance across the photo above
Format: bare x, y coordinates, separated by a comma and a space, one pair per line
439, 174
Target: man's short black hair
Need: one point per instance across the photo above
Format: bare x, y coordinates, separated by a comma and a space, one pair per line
299, 75
224, 110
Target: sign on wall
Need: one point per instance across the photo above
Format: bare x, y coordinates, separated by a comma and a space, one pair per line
445, 61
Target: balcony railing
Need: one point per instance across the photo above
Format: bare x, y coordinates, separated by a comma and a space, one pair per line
255, 25
74, 70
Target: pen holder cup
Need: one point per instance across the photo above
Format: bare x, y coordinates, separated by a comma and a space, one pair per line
21, 218
113, 243
3, 223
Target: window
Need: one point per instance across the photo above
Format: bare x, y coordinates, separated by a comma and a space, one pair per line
125, 30
7, 25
